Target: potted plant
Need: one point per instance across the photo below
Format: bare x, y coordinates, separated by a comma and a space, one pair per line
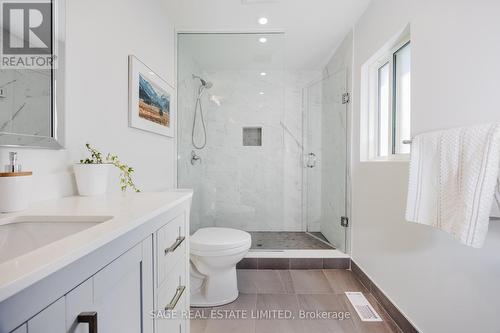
92, 173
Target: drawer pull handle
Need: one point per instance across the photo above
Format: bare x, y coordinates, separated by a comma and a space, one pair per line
88, 318
177, 297
174, 246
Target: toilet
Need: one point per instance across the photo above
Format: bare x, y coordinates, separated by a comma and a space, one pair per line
214, 254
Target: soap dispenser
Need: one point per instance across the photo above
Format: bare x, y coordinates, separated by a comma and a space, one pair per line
13, 166
15, 186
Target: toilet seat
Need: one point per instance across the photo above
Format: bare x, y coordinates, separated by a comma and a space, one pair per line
219, 241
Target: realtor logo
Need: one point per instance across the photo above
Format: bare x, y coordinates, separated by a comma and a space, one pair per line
26, 34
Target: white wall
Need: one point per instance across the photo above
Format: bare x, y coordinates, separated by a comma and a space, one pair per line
440, 285
100, 36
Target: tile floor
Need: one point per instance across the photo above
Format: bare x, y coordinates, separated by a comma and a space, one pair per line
293, 291
273, 240
319, 235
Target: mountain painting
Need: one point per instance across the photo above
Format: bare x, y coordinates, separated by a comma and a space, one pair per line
154, 102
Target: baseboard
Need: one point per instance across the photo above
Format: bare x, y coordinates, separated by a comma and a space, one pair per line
253, 253
399, 318
294, 263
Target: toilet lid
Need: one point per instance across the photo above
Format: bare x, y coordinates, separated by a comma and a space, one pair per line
213, 239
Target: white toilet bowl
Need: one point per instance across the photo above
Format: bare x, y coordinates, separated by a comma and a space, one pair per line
214, 255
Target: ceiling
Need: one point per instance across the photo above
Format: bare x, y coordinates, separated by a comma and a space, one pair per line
313, 28
234, 51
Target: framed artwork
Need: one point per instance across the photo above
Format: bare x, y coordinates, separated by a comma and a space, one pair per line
151, 100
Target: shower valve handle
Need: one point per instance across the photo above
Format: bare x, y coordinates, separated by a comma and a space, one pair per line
194, 158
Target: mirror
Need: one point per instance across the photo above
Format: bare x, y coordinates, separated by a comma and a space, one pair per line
32, 74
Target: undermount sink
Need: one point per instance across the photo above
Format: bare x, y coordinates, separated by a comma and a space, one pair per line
23, 234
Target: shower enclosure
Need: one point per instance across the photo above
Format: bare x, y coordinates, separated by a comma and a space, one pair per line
261, 142
325, 148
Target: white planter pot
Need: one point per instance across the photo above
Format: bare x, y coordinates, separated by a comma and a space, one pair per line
92, 179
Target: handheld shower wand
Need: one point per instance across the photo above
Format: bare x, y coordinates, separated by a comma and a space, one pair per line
204, 85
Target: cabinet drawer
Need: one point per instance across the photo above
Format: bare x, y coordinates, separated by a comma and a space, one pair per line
174, 325
171, 246
172, 297
174, 288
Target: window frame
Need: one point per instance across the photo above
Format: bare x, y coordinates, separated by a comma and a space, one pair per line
389, 58
381, 64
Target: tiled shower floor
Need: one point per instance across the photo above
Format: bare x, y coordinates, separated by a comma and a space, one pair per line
319, 235
266, 240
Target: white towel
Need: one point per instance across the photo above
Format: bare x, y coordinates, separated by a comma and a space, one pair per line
453, 176
495, 210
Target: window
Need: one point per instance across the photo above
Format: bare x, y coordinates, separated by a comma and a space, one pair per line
384, 108
401, 113
392, 119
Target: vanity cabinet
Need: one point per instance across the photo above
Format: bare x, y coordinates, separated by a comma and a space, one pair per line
171, 247
172, 287
120, 296
22, 329
50, 319
128, 293
172, 277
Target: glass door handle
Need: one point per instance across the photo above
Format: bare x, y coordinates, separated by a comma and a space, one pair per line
311, 160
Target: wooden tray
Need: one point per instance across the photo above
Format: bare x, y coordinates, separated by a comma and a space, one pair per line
16, 174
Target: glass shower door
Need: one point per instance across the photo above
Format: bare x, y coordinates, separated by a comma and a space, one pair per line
325, 150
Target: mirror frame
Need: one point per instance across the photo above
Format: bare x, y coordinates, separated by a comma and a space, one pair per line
57, 138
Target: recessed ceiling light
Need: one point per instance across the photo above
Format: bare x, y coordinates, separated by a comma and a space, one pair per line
261, 93
258, 2
263, 39
263, 21
263, 74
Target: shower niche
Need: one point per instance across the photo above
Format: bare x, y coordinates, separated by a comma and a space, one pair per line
252, 136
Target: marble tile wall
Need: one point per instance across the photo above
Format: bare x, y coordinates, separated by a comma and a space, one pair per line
188, 176
25, 103
254, 188
313, 144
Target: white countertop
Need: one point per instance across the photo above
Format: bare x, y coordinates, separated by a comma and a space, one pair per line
128, 211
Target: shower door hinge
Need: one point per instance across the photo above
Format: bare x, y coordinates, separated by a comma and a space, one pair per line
346, 98
344, 221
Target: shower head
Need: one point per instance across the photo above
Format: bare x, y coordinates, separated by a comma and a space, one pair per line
204, 83
207, 84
